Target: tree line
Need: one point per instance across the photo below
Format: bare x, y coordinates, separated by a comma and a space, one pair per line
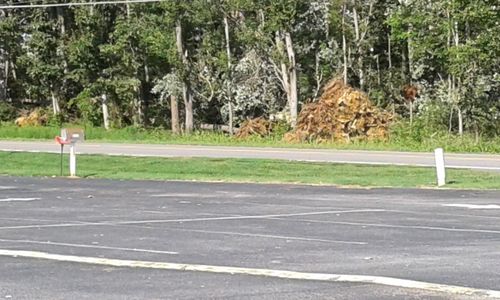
179, 64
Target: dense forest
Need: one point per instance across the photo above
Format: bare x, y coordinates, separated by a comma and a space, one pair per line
180, 64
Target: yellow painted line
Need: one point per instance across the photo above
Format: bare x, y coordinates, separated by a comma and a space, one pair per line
378, 280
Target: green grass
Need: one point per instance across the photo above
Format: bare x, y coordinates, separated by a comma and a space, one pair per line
242, 170
402, 139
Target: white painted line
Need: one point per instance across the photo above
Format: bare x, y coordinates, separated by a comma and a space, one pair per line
191, 220
473, 206
379, 280
7, 187
443, 214
251, 217
87, 246
19, 199
395, 226
185, 196
281, 237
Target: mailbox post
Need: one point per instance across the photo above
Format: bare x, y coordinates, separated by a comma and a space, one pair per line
70, 136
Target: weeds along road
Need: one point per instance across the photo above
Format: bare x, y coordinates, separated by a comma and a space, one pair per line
484, 162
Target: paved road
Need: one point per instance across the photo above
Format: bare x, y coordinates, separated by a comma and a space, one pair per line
466, 161
440, 237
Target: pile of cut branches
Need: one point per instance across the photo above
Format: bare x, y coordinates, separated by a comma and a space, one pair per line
36, 117
341, 114
254, 127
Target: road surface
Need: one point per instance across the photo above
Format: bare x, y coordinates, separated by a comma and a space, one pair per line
462, 161
105, 239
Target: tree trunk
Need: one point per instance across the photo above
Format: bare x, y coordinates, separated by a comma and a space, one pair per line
60, 53
189, 111
12, 70
62, 29
293, 79
4, 75
361, 73
410, 56
460, 121
344, 44
391, 87
450, 121
389, 50
127, 6
174, 113
55, 103
404, 63
138, 106
318, 74
457, 85
105, 111
284, 70
186, 89
379, 78
229, 90
4, 66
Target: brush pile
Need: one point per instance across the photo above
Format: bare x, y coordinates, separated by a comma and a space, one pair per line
341, 114
36, 117
254, 127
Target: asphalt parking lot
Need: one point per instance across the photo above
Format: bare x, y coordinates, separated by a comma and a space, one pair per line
79, 239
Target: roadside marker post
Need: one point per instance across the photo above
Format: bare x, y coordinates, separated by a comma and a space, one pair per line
70, 136
440, 167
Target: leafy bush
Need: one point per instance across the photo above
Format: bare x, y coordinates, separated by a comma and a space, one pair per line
7, 112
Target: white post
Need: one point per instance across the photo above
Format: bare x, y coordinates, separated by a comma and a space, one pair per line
440, 167
72, 160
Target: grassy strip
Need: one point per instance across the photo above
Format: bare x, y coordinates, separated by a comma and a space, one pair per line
242, 170
402, 139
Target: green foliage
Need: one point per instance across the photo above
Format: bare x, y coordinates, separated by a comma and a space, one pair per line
55, 120
73, 56
88, 107
7, 112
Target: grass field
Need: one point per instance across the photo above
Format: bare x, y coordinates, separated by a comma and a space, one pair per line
242, 170
402, 139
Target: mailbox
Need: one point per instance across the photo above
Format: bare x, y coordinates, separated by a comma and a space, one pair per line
70, 136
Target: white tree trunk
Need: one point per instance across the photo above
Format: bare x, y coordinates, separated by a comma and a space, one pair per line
128, 10
105, 111
360, 63
410, 56
344, 44
189, 112
284, 70
292, 69
318, 74
186, 89
229, 89
460, 122
456, 85
55, 103
389, 57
